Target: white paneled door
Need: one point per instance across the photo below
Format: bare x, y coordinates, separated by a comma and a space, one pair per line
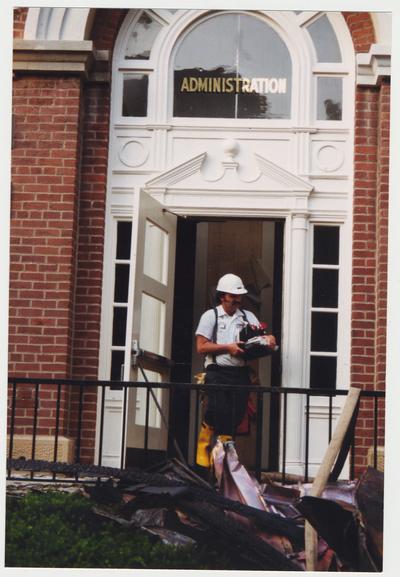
152, 293
149, 329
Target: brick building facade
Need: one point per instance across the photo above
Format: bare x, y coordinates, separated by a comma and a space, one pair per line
62, 112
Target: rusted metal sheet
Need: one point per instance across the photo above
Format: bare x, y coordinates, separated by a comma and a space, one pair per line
352, 524
369, 499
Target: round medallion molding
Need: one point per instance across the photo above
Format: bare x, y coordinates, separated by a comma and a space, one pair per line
133, 154
329, 158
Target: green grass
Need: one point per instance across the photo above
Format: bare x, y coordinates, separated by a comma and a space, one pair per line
56, 529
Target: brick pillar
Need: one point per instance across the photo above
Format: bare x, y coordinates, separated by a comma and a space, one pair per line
44, 205
44, 208
370, 260
364, 240
364, 264
382, 231
382, 247
91, 230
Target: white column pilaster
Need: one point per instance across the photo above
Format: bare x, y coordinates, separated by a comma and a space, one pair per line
296, 347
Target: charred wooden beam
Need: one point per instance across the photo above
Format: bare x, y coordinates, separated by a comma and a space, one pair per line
267, 521
133, 475
237, 538
156, 482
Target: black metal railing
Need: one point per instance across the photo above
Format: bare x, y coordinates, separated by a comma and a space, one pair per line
76, 410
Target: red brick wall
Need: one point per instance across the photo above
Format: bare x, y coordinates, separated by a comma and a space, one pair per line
45, 174
38, 407
364, 239
91, 231
106, 26
361, 29
19, 21
370, 223
382, 231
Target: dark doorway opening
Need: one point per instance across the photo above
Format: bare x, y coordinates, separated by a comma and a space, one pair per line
182, 331
205, 247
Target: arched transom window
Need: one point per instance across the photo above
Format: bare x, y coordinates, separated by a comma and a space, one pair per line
233, 65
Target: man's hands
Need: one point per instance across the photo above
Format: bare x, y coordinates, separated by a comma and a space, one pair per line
205, 347
234, 349
270, 340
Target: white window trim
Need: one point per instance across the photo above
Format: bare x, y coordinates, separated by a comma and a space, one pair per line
343, 309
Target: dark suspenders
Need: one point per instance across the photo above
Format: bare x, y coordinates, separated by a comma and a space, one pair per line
214, 334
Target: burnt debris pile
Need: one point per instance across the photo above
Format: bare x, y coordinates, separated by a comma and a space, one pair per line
261, 525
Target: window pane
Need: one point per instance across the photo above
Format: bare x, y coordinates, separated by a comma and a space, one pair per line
329, 98
232, 66
152, 325
142, 38
325, 288
117, 360
325, 41
156, 253
210, 45
326, 245
124, 232
323, 372
121, 283
204, 62
263, 59
119, 326
324, 332
198, 93
134, 99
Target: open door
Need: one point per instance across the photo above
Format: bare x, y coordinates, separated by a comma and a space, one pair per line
150, 322
149, 328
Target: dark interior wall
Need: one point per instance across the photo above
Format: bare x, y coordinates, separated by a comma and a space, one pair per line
182, 333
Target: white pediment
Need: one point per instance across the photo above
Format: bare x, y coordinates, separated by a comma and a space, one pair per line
198, 175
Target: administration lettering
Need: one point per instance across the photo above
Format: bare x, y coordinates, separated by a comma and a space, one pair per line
234, 85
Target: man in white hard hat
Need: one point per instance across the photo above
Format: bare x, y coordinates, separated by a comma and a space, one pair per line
218, 338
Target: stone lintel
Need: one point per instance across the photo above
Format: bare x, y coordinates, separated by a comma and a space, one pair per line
61, 57
374, 65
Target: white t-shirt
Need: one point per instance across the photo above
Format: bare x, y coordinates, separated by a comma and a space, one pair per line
229, 327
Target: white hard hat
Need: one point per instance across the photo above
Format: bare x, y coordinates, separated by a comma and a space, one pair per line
232, 284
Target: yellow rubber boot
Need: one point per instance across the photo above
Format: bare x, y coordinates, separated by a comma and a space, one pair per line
204, 442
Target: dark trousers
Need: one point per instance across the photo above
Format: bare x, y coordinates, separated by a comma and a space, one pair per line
225, 408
